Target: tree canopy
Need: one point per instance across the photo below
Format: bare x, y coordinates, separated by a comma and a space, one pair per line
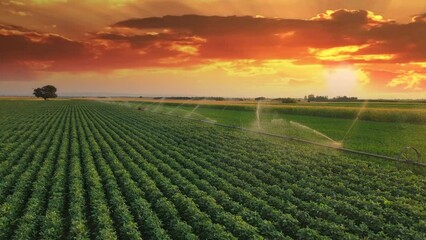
48, 91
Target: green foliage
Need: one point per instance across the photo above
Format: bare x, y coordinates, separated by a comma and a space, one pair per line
385, 129
87, 170
46, 92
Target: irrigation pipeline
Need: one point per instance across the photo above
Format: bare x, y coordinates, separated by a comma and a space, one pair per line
285, 137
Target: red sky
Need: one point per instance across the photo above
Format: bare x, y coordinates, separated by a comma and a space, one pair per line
289, 48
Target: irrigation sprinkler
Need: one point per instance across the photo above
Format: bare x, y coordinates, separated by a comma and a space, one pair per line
333, 146
405, 154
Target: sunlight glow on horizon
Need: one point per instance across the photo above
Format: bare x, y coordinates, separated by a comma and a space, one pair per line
215, 48
341, 81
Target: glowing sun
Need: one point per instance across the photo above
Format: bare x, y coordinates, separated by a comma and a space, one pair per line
341, 81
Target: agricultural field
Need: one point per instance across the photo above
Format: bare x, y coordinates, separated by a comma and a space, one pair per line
91, 170
381, 128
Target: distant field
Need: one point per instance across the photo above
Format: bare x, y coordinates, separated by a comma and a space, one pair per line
385, 105
92, 170
401, 112
383, 137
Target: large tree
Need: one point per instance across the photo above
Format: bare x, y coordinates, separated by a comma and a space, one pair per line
46, 92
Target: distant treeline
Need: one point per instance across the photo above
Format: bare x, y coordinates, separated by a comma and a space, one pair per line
313, 98
202, 98
309, 98
287, 100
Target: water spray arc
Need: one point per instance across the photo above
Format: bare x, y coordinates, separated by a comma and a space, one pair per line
361, 110
332, 146
158, 105
313, 130
193, 110
258, 115
405, 152
174, 109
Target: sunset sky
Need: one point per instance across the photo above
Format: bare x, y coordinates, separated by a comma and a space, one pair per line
230, 48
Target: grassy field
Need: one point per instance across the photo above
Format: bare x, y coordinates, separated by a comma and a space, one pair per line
91, 170
382, 137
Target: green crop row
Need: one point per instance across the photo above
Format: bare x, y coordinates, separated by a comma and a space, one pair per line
88, 170
248, 175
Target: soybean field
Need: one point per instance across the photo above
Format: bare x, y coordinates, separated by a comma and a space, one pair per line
380, 128
73, 169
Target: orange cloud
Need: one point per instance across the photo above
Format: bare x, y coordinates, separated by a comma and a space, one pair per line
241, 45
24, 51
410, 80
419, 18
369, 37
